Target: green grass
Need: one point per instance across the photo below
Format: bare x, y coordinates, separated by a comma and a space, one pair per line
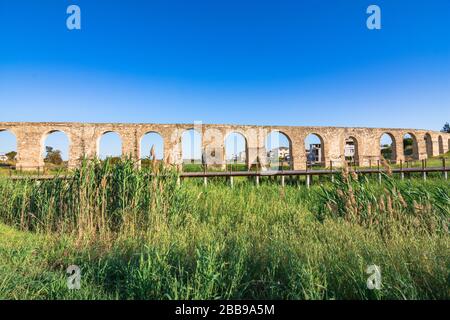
431, 162
32, 267
48, 169
137, 237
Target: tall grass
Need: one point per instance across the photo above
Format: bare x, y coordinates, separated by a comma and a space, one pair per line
98, 200
413, 203
138, 234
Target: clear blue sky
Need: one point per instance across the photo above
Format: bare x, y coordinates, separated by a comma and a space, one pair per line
244, 62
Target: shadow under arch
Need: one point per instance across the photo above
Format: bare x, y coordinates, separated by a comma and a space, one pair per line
410, 146
428, 144
441, 145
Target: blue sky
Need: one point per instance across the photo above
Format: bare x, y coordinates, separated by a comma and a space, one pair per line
244, 62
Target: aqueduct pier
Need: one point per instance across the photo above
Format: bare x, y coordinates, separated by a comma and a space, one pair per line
84, 141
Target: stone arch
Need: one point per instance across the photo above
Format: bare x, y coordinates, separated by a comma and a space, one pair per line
388, 150
315, 149
278, 146
8, 145
113, 143
441, 144
191, 146
410, 146
351, 149
56, 137
428, 145
151, 139
236, 151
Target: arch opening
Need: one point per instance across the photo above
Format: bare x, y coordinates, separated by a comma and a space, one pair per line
351, 151
191, 144
236, 151
410, 147
428, 145
8, 148
278, 151
55, 149
151, 140
314, 148
441, 145
109, 147
387, 147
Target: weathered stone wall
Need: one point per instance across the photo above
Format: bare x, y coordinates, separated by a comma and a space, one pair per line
84, 141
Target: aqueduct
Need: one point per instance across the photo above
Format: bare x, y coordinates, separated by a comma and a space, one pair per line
84, 141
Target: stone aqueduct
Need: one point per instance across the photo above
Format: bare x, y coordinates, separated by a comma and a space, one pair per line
84, 141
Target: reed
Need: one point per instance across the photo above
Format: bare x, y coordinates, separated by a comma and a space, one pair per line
136, 234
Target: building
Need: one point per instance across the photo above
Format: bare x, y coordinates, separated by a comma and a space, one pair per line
3, 157
281, 153
349, 150
314, 154
242, 156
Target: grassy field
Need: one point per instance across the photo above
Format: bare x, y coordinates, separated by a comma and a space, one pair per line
136, 237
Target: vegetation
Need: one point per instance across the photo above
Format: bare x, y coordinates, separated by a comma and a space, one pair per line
137, 234
386, 151
53, 156
408, 146
11, 155
435, 161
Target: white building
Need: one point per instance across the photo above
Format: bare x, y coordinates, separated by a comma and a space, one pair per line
349, 150
242, 157
238, 158
3, 157
279, 153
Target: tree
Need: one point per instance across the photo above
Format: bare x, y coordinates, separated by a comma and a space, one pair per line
386, 151
446, 128
11, 155
53, 156
408, 146
407, 142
